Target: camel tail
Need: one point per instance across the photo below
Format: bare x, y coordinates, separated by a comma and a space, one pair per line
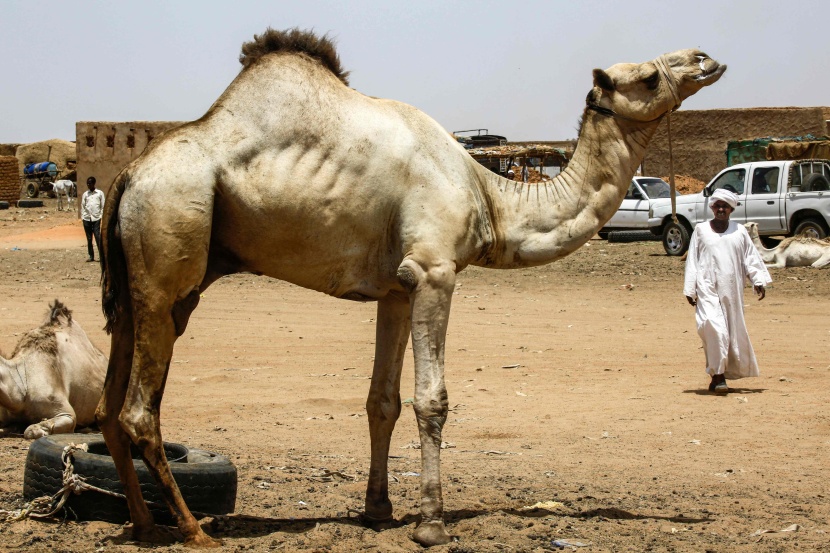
114, 287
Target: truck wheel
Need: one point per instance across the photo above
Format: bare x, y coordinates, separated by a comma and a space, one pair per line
811, 227
32, 190
676, 238
815, 183
603, 234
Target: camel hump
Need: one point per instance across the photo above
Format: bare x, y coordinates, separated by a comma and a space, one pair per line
294, 40
58, 311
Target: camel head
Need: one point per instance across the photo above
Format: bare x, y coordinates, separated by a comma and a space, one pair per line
752, 229
646, 91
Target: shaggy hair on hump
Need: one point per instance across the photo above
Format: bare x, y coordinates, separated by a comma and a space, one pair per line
43, 337
294, 40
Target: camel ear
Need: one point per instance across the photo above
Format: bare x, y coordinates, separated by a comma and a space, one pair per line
603, 80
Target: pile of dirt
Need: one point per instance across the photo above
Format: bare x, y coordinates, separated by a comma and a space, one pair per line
686, 184
533, 176
62, 154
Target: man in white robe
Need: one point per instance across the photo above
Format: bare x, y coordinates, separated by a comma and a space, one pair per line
721, 255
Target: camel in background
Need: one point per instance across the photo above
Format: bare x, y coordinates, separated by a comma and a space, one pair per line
53, 380
293, 175
795, 251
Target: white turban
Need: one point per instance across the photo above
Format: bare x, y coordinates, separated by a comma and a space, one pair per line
725, 196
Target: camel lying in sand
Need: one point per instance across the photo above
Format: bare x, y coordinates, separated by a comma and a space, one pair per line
796, 251
53, 380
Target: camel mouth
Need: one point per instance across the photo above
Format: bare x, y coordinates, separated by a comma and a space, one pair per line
709, 76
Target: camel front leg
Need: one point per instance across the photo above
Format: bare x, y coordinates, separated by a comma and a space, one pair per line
431, 287
62, 423
384, 402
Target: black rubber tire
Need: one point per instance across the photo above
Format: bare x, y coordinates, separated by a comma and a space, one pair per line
811, 227
631, 236
4, 205
676, 237
32, 190
815, 182
29, 203
207, 480
603, 234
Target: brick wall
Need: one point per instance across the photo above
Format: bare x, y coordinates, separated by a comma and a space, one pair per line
9, 179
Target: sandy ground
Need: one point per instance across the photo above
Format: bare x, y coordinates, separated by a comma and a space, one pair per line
579, 386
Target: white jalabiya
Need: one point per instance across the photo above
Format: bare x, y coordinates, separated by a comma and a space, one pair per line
716, 267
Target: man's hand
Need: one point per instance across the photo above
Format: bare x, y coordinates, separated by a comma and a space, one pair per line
761, 291
692, 301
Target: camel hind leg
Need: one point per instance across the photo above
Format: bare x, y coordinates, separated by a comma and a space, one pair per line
158, 325
117, 440
167, 255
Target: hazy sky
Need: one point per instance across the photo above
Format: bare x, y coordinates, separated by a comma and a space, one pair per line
520, 69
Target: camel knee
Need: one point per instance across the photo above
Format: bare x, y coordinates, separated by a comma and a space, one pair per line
381, 409
437, 274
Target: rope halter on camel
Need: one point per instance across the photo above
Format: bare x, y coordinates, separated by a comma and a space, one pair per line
664, 69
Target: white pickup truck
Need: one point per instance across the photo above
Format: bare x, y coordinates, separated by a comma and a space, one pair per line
634, 211
783, 197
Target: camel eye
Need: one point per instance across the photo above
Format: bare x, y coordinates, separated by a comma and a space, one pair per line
652, 80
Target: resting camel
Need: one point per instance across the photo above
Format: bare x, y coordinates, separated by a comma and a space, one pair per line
53, 380
795, 251
294, 175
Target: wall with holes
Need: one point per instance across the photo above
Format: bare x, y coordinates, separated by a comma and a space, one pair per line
699, 138
104, 148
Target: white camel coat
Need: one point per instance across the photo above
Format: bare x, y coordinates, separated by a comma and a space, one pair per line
716, 267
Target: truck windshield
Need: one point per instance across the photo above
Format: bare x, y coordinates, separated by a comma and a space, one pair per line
655, 188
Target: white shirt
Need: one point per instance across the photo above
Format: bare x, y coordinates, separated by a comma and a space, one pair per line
716, 268
92, 205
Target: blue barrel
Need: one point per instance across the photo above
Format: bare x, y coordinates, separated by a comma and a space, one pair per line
42, 168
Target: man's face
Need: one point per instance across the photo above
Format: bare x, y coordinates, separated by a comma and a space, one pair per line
722, 210
91, 186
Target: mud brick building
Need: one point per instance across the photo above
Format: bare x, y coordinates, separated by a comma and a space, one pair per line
104, 148
699, 138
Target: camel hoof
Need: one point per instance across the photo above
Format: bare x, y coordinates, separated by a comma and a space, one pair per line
431, 533
202, 540
153, 534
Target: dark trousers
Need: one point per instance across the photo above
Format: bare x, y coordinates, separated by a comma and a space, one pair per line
93, 228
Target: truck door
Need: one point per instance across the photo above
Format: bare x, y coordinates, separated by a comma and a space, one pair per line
633, 212
733, 180
764, 204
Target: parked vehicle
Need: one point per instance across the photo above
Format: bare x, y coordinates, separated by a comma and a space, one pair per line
38, 177
634, 211
784, 197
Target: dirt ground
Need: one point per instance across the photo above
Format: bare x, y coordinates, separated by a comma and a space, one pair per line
578, 386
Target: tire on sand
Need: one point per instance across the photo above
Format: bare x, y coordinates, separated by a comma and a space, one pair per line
207, 480
676, 237
29, 203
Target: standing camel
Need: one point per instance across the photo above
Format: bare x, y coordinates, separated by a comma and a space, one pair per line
294, 175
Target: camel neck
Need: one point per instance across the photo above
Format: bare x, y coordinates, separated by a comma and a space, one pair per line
12, 384
535, 223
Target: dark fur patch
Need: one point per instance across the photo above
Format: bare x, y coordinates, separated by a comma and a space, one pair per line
294, 40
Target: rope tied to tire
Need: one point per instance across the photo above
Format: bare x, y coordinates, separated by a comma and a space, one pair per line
46, 506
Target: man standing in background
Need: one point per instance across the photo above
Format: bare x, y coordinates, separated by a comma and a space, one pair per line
92, 207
